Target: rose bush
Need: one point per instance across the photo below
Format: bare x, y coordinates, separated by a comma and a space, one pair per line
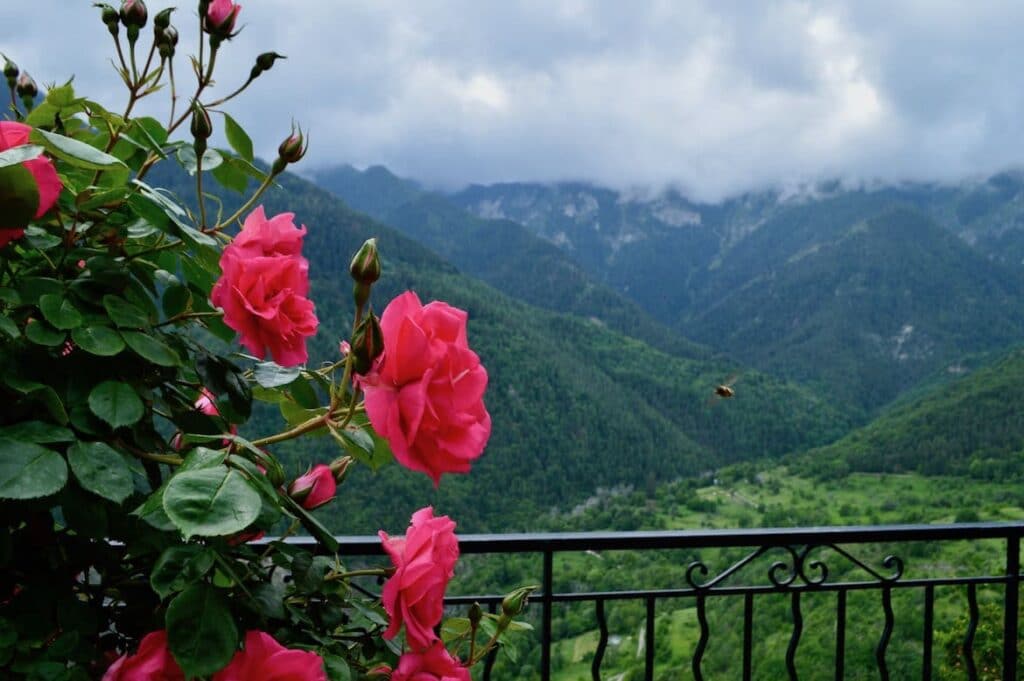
135, 492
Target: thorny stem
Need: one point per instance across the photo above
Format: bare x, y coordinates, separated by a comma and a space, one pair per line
233, 94
267, 181
367, 572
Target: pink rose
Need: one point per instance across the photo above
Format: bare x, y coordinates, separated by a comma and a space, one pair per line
264, 286
221, 16
206, 406
264, 659
424, 395
424, 562
15, 135
433, 664
152, 662
315, 488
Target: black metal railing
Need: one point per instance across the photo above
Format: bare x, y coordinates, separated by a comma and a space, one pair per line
797, 562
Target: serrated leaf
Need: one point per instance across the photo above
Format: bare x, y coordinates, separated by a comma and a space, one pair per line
237, 138
8, 328
59, 311
98, 340
73, 151
28, 471
151, 348
101, 470
201, 632
152, 511
187, 158
211, 502
116, 403
176, 300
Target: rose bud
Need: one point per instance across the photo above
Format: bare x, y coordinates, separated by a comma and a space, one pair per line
10, 72
365, 266
167, 42
263, 63
134, 13
110, 17
27, 87
313, 489
219, 20
367, 343
514, 603
475, 614
290, 151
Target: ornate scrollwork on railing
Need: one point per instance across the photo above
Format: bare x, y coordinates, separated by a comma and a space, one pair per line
797, 569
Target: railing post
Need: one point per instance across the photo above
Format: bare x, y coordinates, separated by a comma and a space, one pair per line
1011, 607
545, 649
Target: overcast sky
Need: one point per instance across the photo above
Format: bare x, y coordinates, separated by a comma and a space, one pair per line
715, 97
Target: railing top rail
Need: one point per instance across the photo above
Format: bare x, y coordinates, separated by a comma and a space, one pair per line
686, 539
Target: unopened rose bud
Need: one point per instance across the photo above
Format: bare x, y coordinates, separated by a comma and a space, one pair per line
10, 72
365, 265
202, 128
134, 13
367, 343
514, 603
264, 62
26, 86
339, 468
476, 613
314, 488
168, 42
291, 150
219, 20
110, 17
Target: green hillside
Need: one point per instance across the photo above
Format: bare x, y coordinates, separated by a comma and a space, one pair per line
502, 253
973, 426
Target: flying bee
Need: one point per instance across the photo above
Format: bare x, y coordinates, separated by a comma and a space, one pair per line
725, 390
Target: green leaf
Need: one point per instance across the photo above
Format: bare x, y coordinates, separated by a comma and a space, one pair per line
17, 155
116, 403
98, 340
201, 633
187, 158
312, 525
37, 237
8, 327
152, 511
180, 566
41, 392
337, 668
271, 375
28, 471
73, 151
231, 175
37, 432
237, 138
19, 195
124, 313
151, 348
59, 311
102, 470
211, 502
41, 333
176, 300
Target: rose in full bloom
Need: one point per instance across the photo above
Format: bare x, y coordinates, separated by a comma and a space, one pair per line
424, 395
221, 16
433, 664
264, 287
152, 662
424, 563
14, 134
264, 659
314, 488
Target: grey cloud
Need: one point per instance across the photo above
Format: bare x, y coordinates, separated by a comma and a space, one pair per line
715, 97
